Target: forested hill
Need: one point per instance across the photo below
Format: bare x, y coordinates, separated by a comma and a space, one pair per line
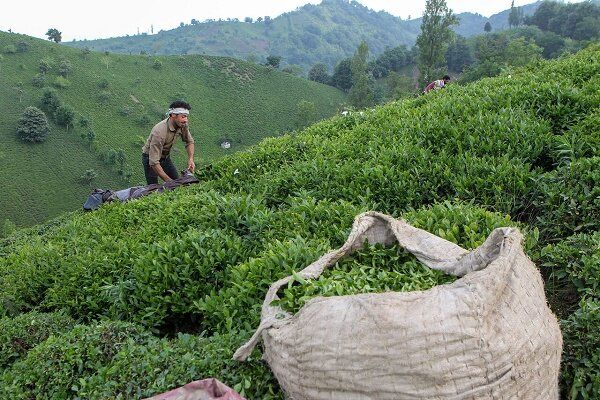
327, 32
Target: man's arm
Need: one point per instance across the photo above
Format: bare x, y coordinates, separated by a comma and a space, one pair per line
190, 151
161, 172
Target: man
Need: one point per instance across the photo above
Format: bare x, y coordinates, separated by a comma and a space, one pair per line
156, 152
440, 83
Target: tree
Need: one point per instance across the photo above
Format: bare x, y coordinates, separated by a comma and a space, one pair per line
436, 34
33, 125
515, 16
49, 101
22, 47
393, 59
20, 91
85, 53
65, 68
458, 56
120, 158
64, 115
487, 27
361, 93
399, 86
318, 73
90, 136
273, 61
520, 52
54, 34
544, 13
248, 20
342, 75
45, 66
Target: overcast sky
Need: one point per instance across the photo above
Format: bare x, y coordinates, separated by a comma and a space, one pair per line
85, 19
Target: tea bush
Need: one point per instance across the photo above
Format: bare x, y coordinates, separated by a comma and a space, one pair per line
580, 374
20, 334
516, 150
143, 369
569, 199
575, 261
56, 367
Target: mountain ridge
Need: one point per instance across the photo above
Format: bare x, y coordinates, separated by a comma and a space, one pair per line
327, 32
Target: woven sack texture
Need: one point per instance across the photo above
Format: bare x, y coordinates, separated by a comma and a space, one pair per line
488, 335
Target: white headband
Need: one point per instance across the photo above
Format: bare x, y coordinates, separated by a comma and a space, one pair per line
178, 111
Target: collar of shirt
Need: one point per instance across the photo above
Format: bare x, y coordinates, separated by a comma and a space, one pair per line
171, 126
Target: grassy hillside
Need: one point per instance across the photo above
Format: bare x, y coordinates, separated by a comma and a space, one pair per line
122, 97
327, 33
182, 276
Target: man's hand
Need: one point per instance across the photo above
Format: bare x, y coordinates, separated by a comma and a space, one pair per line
191, 165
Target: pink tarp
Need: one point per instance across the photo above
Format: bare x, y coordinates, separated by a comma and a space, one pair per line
206, 389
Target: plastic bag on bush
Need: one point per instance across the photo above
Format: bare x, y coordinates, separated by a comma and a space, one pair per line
488, 335
206, 389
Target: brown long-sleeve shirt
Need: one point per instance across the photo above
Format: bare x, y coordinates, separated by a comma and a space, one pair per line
161, 140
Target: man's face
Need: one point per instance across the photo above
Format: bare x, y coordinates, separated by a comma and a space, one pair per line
180, 120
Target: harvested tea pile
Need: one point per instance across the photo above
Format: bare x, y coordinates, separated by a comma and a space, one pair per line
373, 269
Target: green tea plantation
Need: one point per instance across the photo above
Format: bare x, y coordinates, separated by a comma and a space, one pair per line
138, 298
101, 107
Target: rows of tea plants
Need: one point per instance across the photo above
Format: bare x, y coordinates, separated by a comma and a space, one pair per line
162, 290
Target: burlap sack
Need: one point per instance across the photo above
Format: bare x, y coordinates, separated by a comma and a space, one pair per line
488, 335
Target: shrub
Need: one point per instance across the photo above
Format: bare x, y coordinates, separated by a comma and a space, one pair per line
39, 80
65, 68
61, 82
33, 125
89, 175
9, 49
20, 334
144, 120
53, 368
22, 47
580, 372
103, 84
146, 370
45, 65
50, 101
104, 96
568, 199
64, 115
574, 261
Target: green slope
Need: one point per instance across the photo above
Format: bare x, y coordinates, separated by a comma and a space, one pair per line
123, 96
519, 150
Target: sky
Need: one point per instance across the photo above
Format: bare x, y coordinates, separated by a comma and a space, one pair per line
85, 19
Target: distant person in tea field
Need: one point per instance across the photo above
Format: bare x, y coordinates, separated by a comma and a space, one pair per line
156, 153
438, 84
